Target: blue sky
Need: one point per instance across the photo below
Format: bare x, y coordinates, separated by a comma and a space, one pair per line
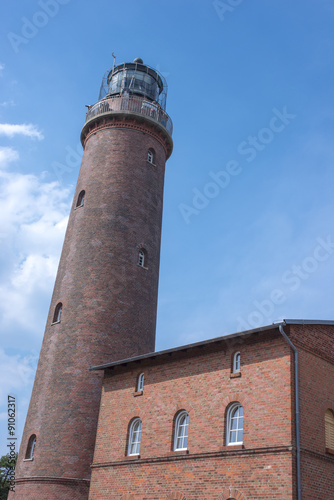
248, 209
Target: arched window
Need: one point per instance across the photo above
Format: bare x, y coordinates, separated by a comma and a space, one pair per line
234, 427
57, 313
151, 156
31, 447
140, 384
142, 258
236, 362
81, 198
329, 429
181, 431
134, 437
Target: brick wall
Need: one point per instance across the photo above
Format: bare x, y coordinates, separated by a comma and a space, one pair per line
199, 381
316, 378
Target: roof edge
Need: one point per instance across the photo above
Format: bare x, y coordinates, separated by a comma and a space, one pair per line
308, 322
243, 333
187, 346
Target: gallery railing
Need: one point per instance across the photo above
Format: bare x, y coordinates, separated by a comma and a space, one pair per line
131, 104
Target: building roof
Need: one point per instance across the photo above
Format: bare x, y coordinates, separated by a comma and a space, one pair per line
242, 334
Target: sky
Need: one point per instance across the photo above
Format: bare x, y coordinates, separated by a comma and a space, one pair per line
248, 235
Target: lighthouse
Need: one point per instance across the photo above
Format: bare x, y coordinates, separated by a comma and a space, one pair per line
104, 302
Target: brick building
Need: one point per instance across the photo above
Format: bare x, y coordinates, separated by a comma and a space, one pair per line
217, 419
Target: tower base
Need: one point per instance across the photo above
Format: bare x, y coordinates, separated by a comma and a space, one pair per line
50, 488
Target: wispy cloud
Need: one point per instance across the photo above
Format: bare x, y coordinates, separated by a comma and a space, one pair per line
27, 129
2, 67
7, 155
5, 104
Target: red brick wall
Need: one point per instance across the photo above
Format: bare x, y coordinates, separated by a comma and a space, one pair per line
199, 382
316, 396
44, 488
317, 477
109, 302
317, 339
266, 477
315, 344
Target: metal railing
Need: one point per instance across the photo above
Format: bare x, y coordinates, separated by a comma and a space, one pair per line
131, 104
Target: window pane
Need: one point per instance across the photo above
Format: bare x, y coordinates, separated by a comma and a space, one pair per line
181, 431
235, 425
135, 436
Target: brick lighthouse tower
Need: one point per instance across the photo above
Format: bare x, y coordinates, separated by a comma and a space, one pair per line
104, 302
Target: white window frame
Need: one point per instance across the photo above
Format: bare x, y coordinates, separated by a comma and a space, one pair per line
81, 199
134, 437
230, 424
141, 258
140, 385
31, 447
150, 156
181, 431
236, 368
58, 312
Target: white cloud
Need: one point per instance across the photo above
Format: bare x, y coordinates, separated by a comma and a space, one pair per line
27, 129
2, 66
7, 155
33, 219
16, 372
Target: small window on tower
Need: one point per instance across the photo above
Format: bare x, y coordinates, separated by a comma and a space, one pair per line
81, 199
142, 258
31, 447
57, 313
150, 156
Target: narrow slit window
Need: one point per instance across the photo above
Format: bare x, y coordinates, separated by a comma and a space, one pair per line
57, 313
142, 258
150, 156
80, 200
